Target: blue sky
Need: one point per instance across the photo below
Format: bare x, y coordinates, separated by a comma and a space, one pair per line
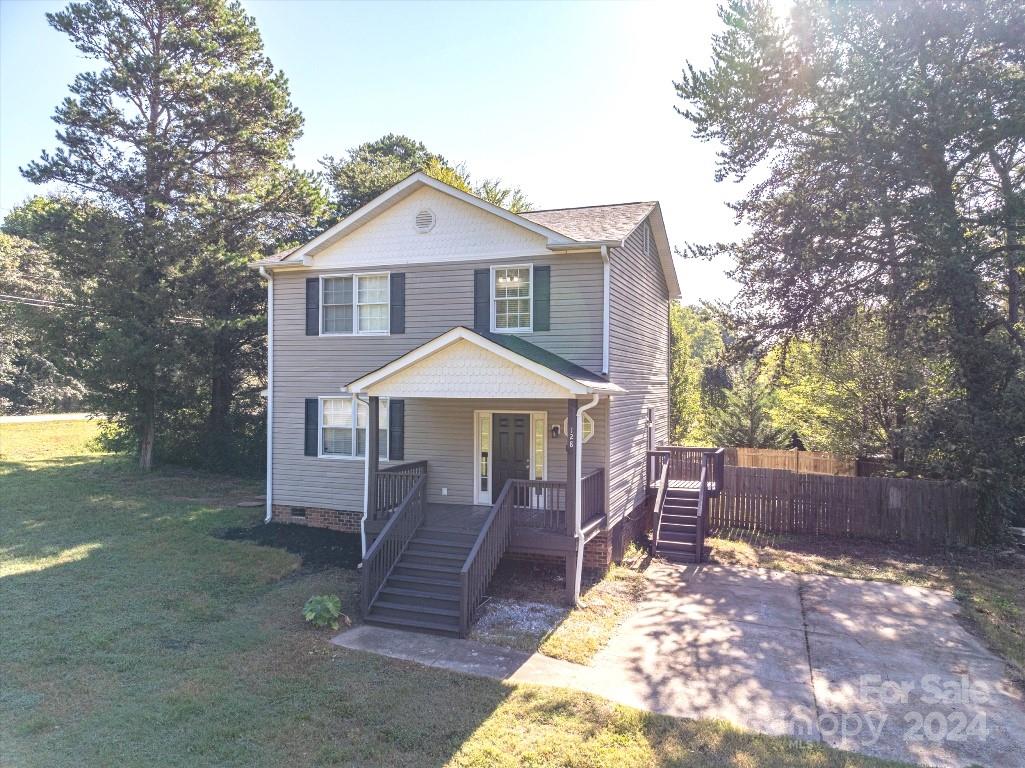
572, 101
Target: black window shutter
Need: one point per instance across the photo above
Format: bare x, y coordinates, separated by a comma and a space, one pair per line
396, 429
313, 306
482, 300
312, 425
398, 302
542, 298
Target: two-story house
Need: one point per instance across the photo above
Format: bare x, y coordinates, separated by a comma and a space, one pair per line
458, 383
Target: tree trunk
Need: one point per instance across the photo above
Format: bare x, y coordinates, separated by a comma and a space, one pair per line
147, 431
222, 393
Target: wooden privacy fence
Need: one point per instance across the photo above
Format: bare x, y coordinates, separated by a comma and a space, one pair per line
814, 462
923, 512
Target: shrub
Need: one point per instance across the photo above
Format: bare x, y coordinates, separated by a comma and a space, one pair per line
323, 611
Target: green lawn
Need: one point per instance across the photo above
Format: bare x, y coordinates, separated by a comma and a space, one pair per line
131, 636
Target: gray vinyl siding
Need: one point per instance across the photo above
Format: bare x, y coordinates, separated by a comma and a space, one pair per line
442, 432
638, 362
438, 298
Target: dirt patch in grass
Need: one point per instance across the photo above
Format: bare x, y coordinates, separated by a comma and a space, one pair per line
989, 583
318, 547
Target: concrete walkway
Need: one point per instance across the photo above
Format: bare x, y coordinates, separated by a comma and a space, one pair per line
871, 667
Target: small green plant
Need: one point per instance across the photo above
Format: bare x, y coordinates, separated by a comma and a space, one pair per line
323, 611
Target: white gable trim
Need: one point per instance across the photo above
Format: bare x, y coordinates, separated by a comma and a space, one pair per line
665, 252
363, 384
405, 187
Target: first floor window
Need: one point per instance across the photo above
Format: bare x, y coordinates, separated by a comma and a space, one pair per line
343, 427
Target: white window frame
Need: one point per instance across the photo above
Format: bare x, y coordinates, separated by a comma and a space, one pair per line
488, 498
586, 420
494, 298
382, 403
355, 304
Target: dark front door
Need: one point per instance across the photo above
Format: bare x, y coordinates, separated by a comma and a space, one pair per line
511, 449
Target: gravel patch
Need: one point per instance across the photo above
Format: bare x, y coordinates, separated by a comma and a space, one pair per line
519, 624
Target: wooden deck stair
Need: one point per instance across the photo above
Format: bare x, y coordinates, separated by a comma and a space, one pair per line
422, 590
678, 534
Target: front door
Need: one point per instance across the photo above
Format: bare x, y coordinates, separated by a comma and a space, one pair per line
510, 449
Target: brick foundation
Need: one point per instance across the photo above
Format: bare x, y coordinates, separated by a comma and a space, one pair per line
609, 546
344, 520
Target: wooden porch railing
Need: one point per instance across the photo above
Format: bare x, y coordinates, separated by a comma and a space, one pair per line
393, 485
663, 484
538, 504
699, 538
391, 543
685, 464
481, 562
592, 496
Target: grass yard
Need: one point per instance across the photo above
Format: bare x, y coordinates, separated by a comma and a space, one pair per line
135, 634
990, 584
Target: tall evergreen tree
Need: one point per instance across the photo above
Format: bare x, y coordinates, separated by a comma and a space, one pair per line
888, 139
184, 120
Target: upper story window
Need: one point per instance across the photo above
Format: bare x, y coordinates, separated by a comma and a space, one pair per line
343, 427
512, 299
355, 304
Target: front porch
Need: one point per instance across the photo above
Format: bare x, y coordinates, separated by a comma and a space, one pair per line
501, 423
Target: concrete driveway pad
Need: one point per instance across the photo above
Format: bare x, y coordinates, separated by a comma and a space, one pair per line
877, 668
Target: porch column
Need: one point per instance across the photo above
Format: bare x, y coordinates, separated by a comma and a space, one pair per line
373, 453
572, 446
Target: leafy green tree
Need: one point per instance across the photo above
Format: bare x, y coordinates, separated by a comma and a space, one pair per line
31, 378
184, 123
371, 168
887, 139
696, 345
744, 420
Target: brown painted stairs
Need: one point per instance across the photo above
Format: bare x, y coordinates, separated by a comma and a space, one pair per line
422, 590
678, 535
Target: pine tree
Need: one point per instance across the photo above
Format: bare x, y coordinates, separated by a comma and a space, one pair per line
184, 115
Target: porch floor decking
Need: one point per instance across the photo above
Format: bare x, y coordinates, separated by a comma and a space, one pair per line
467, 518
684, 485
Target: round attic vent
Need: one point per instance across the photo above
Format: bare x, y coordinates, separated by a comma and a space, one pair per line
424, 221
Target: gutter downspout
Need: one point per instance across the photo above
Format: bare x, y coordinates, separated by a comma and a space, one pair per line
579, 502
270, 392
605, 310
366, 487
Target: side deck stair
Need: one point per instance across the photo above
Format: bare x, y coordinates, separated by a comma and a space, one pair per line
678, 533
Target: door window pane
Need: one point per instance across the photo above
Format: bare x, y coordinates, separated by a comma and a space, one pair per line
484, 429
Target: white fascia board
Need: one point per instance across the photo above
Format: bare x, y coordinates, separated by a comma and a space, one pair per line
363, 383
665, 252
585, 245
402, 189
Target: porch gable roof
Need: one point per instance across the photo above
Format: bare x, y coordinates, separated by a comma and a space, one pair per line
466, 363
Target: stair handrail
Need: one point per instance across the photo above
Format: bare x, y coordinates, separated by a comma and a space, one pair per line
390, 543
482, 560
660, 498
702, 512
